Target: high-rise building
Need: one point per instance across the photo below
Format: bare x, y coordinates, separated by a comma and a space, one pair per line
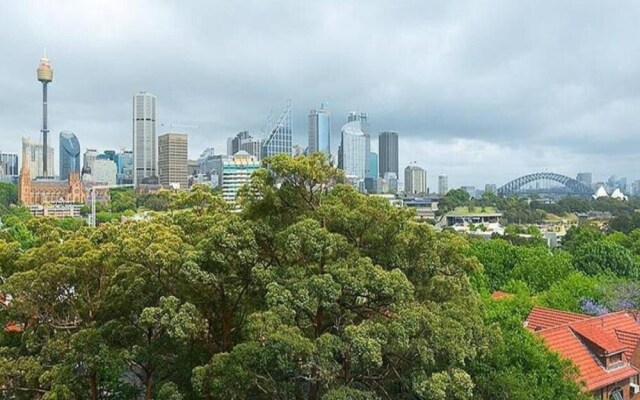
172, 159
252, 146
279, 138
471, 190
372, 171
365, 126
35, 157
443, 185
635, 188
584, 177
109, 155
415, 180
236, 172
491, 188
45, 75
388, 152
124, 167
391, 179
69, 154
352, 153
104, 172
145, 162
234, 142
320, 131
89, 157
10, 165
244, 141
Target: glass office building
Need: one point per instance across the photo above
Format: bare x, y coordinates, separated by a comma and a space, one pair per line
69, 155
320, 131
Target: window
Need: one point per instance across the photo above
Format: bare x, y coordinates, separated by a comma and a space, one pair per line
616, 394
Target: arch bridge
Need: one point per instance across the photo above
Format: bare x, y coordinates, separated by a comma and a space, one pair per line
574, 186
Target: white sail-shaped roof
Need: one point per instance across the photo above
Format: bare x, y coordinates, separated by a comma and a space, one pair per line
600, 193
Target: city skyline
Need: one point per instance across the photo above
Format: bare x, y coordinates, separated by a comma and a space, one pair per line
481, 97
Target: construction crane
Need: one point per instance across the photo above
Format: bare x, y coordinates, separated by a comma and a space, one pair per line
93, 199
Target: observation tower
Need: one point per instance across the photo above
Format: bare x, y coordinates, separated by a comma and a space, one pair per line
45, 75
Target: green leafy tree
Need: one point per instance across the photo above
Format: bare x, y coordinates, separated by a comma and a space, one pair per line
566, 294
604, 256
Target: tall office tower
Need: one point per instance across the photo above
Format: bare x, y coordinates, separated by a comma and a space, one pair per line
373, 165
635, 188
352, 154
279, 139
69, 154
388, 152
89, 157
35, 156
252, 146
490, 188
10, 164
172, 159
234, 142
320, 131
584, 177
124, 167
365, 126
443, 185
145, 161
109, 155
391, 180
236, 171
45, 75
415, 180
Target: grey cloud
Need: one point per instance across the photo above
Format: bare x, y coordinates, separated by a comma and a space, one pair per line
517, 75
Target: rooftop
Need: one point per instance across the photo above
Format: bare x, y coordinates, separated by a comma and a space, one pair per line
464, 211
585, 340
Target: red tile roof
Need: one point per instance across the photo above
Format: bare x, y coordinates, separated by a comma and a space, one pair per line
545, 318
13, 328
498, 295
607, 341
578, 338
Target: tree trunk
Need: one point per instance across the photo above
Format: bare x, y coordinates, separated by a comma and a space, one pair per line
149, 389
93, 383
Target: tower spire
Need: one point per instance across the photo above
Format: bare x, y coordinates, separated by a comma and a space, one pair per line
45, 75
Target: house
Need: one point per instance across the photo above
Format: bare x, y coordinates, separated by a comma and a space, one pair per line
604, 348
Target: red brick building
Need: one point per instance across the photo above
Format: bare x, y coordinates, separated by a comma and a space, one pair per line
605, 348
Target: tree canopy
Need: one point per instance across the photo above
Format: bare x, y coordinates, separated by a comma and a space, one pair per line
312, 291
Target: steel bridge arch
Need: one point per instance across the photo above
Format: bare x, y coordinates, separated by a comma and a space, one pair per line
575, 186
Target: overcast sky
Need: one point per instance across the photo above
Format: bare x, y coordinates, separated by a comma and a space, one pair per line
483, 91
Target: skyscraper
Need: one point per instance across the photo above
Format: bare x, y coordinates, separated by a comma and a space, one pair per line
234, 142
415, 180
372, 171
443, 185
124, 167
236, 171
35, 157
45, 75
388, 152
584, 177
279, 138
352, 154
69, 154
10, 166
320, 131
145, 163
365, 126
88, 158
172, 159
